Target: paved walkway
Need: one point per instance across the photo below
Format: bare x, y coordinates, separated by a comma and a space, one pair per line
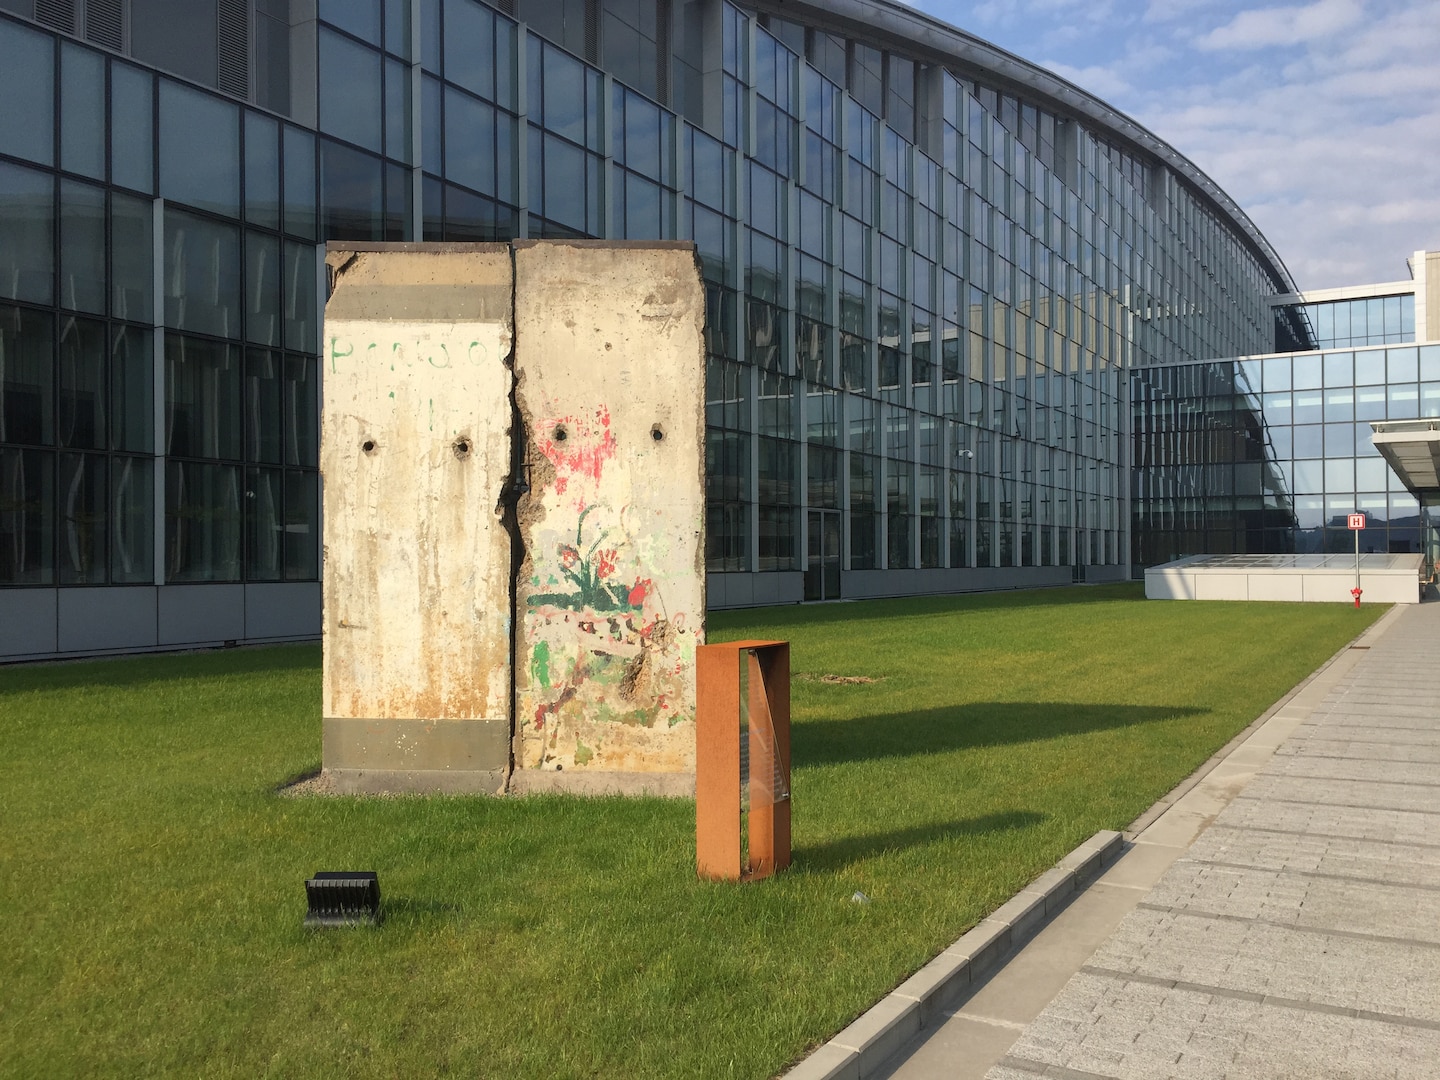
1279, 919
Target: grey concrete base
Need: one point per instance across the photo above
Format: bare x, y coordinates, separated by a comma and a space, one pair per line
585, 782
366, 755
864, 1048
416, 781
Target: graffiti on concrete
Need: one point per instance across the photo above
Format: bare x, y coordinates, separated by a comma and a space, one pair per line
605, 653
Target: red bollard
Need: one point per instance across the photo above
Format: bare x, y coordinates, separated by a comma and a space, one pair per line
1355, 592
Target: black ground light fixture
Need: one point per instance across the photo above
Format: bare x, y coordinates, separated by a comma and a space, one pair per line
343, 898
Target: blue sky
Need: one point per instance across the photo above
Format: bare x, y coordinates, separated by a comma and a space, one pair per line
1321, 119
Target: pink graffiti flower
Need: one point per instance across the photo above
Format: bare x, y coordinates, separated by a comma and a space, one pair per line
568, 556
605, 563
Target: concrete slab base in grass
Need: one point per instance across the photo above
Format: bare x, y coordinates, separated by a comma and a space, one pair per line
863, 1047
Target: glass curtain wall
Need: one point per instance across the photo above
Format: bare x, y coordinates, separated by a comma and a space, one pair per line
1270, 454
923, 294
161, 351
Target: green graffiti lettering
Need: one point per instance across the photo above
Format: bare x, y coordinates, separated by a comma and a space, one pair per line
540, 664
336, 354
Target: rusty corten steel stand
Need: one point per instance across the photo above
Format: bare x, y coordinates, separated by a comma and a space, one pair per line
742, 687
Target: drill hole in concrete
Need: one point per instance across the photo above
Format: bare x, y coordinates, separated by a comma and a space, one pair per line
368, 446
657, 433
560, 434
462, 448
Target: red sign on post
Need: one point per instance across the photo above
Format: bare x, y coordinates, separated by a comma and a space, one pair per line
1355, 521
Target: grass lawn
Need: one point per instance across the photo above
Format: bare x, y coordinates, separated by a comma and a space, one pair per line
151, 881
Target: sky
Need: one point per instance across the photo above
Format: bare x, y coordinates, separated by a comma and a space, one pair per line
1322, 119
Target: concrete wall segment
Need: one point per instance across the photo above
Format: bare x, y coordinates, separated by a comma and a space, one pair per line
611, 591
415, 451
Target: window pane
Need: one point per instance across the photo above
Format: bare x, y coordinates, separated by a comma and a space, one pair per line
27, 517
397, 27
299, 182
202, 398
202, 522
359, 17
262, 170
132, 389
264, 528
470, 46
202, 275
299, 297
564, 95
27, 231
83, 384
82, 111
350, 193
132, 246
397, 111
564, 183
262, 405
469, 142
82, 247
199, 149
27, 379
302, 409
302, 498
431, 91
350, 103
398, 187
27, 81
272, 58
132, 127
132, 520
262, 288
84, 502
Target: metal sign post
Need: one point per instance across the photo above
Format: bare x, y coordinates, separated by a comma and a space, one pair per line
1355, 524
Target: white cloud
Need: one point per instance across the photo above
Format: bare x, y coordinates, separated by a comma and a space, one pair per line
1165, 11
1104, 82
1284, 25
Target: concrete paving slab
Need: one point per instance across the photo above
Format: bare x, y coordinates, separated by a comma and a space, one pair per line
1376, 824
1189, 1033
1400, 864
1358, 794
1419, 774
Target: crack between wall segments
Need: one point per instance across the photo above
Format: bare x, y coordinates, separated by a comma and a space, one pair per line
517, 484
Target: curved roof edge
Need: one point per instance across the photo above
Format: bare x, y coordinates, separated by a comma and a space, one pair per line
924, 36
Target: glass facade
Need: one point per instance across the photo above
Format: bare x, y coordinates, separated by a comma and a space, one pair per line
1270, 454
1352, 324
154, 311
926, 295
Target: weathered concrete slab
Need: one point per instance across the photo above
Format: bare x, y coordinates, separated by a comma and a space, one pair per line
610, 599
415, 451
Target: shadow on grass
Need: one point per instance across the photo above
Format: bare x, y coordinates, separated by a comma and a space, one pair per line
130, 671
719, 624
823, 858
963, 727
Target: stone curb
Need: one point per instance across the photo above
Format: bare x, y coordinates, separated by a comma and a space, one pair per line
870, 1041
